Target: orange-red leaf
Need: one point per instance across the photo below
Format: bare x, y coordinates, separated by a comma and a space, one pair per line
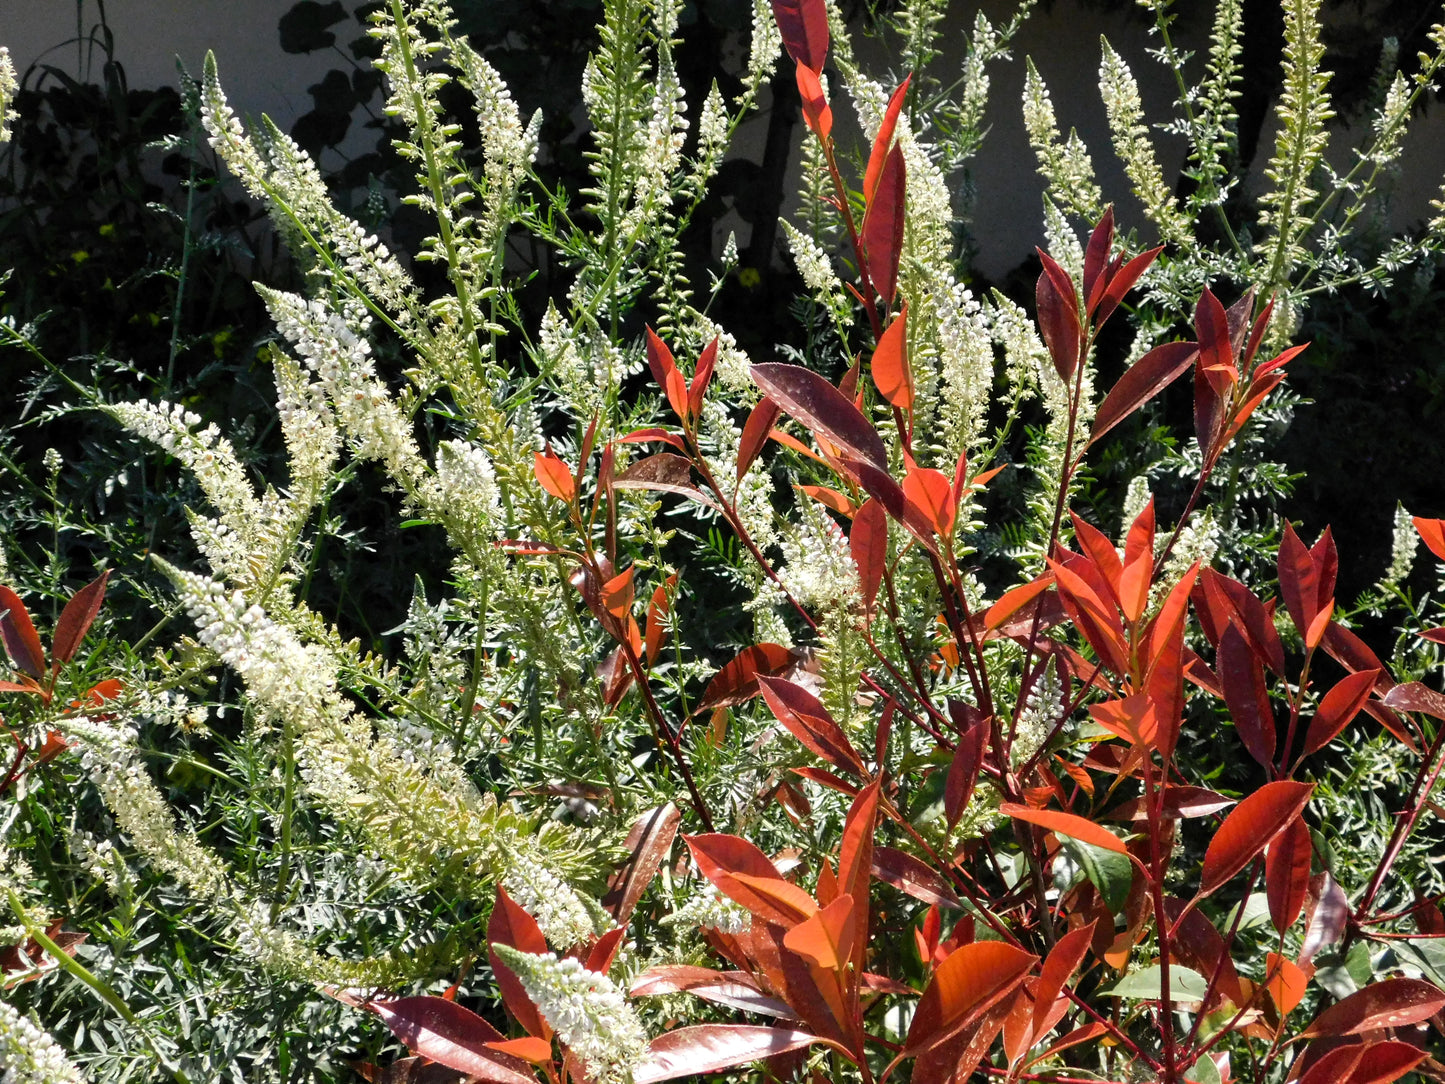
1338, 707
891, 371
967, 984
1368, 1063
828, 936
931, 492
738, 680
829, 498
816, 111
804, 26
1063, 960
512, 926
554, 475
1432, 531
1392, 1003
657, 610
77, 617
702, 376
1066, 824
1285, 982
1287, 874
868, 544
1250, 826
883, 141
709, 1048
617, 593
755, 433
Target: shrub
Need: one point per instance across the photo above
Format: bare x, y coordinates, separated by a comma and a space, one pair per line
965, 795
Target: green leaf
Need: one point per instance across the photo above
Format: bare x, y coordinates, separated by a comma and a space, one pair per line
1427, 954
1184, 985
1204, 1071
1110, 872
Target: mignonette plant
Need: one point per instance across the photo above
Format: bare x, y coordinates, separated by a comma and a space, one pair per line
1090, 813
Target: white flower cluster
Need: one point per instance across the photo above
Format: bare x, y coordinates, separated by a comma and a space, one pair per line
816, 269
28, 1055
307, 425
508, 148
966, 365
468, 484
767, 42
818, 565
1404, 543
710, 911
1040, 713
754, 496
9, 85
587, 1010
1125, 111
564, 919
207, 454
1065, 164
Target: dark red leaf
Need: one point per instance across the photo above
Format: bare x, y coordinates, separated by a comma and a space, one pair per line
1416, 697
1391, 1003
1096, 259
1242, 677
804, 25
755, 433
1143, 380
1122, 282
75, 619
1058, 316
913, 877
1364, 1063
963, 771
1249, 828
452, 1036
647, 845
510, 925
811, 723
18, 632
973, 979
701, 377
883, 223
738, 680
1298, 581
1338, 707
709, 1048
663, 473
1287, 874
646, 436
822, 408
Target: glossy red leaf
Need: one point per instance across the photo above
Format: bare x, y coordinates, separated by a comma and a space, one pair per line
883, 141
891, 371
855, 853
1066, 824
710, 1048
1011, 602
647, 846
452, 1036
1338, 708
529, 1049
738, 680
1242, 677
701, 377
647, 436
829, 498
1413, 696
1364, 1063
1287, 874
18, 631
76, 618
755, 433
659, 359
733, 989
1298, 581
880, 485
931, 493
883, 223
1250, 826
746, 876
827, 938
1058, 316
810, 722
973, 979
816, 111
1122, 282
1143, 380
1096, 259
868, 544
822, 408
603, 953
771, 899
554, 475
963, 771
663, 473
913, 877
512, 926
1216, 346
617, 593
1059, 966
804, 26
1432, 532
657, 610
1390, 1003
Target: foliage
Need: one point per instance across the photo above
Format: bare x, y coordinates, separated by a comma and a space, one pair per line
967, 787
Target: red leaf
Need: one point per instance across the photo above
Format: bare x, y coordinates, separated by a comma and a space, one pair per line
554, 475
647, 436
811, 723
1249, 827
1433, 533
510, 925
663, 473
1011, 602
816, 111
972, 980
1143, 380
528, 1048
1338, 707
617, 593
745, 875
822, 408
868, 543
18, 632
883, 141
1063, 960
701, 377
1329, 911
709, 1048
738, 680
827, 938
659, 359
930, 492
1066, 824
804, 25
1058, 316
891, 371
1122, 282
912, 877
883, 223
1298, 582
829, 498
451, 1035
963, 771
1285, 982
1391, 1003
76, 618
755, 433
1371, 1063
1413, 696
1096, 259
1243, 679
1216, 346
657, 611
1287, 874
647, 844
